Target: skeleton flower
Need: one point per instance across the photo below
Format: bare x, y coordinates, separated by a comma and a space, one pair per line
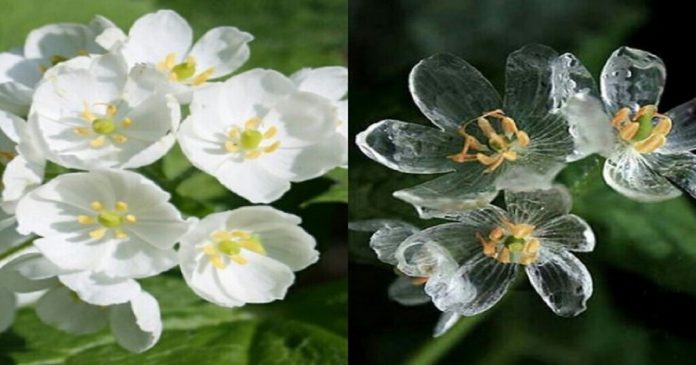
484, 145
163, 39
113, 222
247, 255
489, 245
90, 113
21, 70
256, 133
331, 83
648, 153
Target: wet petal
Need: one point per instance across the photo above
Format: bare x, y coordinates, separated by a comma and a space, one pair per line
410, 147
388, 235
589, 125
449, 91
678, 168
683, 135
562, 281
550, 140
632, 78
628, 172
538, 206
568, 232
569, 77
405, 292
447, 320
528, 81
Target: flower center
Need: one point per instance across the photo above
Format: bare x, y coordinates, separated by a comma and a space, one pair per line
249, 143
58, 58
184, 71
511, 243
228, 246
107, 219
102, 127
640, 131
499, 147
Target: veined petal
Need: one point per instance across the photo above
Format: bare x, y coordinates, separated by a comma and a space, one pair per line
224, 49
409, 147
682, 137
569, 77
60, 308
137, 325
632, 78
568, 232
447, 320
538, 206
330, 82
562, 281
449, 91
388, 235
528, 77
628, 172
153, 36
405, 292
678, 168
550, 140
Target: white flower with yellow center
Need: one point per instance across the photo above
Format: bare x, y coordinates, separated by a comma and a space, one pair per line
90, 113
247, 255
256, 133
44, 48
332, 83
164, 39
113, 222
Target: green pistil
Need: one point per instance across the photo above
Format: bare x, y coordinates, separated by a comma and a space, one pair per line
645, 127
110, 219
184, 70
250, 139
103, 126
229, 247
514, 244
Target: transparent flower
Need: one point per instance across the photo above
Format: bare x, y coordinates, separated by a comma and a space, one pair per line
91, 113
256, 133
483, 144
45, 47
489, 245
332, 83
164, 39
113, 222
247, 255
648, 153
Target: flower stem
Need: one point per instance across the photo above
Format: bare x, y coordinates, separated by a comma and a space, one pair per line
435, 349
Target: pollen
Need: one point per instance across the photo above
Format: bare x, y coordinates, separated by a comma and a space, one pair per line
511, 243
102, 125
108, 219
230, 246
121, 206
645, 131
253, 141
499, 147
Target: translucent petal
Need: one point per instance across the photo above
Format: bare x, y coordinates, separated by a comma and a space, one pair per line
528, 81
486, 217
137, 325
422, 258
60, 308
569, 77
474, 288
447, 320
224, 49
683, 135
538, 206
678, 168
453, 192
632, 78
568, 232
388, 234
409, 147
549, 140
449, 91
562, 281
628, 172
589, 125
8, 302
405, 292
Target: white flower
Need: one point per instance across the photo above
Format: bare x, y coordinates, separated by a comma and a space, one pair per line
21, 70
332, 83
113, 222
246, 255
90, 113
8, 303
164, 39
256, 133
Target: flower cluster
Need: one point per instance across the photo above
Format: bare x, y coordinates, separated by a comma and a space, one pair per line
551, 114
96, 103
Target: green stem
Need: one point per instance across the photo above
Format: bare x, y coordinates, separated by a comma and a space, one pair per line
435, 349
16, 249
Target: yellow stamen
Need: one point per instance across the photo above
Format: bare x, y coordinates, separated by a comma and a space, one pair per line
168, 62
628, 131
97, 142
504, 255
251, 155
234, 133
270, 133
651, 143
496, 234
272, 147
121, 206
82, 132
98, 233
127, 122
119, 234
664, 126
231, 146
130, 218
95, 205
252, 123
87, 114
119, 138
85, 219
419, 281
620, 117
509, 125
239, 259
522, 138
111, 110
485, 127
203, 76
532, 246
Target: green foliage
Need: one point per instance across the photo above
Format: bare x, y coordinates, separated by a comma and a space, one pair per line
337, 193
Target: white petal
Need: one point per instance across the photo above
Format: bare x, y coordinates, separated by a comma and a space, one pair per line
682, 137
405, 292
8, 302
76, 252
205, 154
251, 181
99, 290
153, 36
66, 40
19, 178
15, 98
137, 325
288, 244
447, 320
589, 125
224, 49
159, 119
29, 272
133, 258
330, 82
60, 308
302, 119
15, 68
388, 235
528, 75
632, 78
538, 206
9, 237
308, 162
562, 281
627, 172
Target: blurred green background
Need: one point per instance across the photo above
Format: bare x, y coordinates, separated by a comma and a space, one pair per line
309, 327
644, 266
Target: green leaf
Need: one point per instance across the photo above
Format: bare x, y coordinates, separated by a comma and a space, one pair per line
337, 193
201, 333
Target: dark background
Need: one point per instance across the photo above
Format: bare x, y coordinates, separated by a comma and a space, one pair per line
644, 266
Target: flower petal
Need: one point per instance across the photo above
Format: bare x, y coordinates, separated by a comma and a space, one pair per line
550, 140
589, 125
100, 290
528, 76
153, 36
478, 285
632, 78
75, 252
449, 91
8, 303
628, 172
568, 232
251, 181
682, 138
388, 235
678, 168
224, 49
569, 78
330, 82
447, 320
562, 281
409, 147
29, 272
137, 325
405, 292
59, 308
538, 206
65, 40
15, 98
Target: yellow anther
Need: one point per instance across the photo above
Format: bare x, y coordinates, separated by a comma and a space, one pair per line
231, 146
253, 245
272, 147
111, 110
628, 131
98, 233
127, 122
494, 166
485, 159
519, 230
252, 123
532, 246
620, 117
239, 259
82, 131
119, 234
510, 155
168, 62
509, 126
130, 218
85, 219
504, 256
97, 142
270, 133
119, 138
496, 234
217, 262
121, 206
529, 259
234, 133
220, 235
251, 155
95, 205
203, 76
664, 126
648, 109
474, 143
522, 138
651, 143
87, 114
485, 127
